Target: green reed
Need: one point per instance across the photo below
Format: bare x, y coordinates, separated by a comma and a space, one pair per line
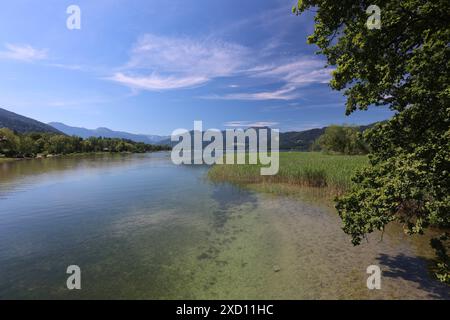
312, 169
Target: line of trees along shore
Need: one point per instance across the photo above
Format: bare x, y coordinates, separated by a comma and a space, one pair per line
15, 145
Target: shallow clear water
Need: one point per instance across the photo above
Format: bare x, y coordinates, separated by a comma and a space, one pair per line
140, 227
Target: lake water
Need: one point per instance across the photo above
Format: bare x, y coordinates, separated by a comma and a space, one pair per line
140, 227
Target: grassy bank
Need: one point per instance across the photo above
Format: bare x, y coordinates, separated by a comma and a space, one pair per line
298, 170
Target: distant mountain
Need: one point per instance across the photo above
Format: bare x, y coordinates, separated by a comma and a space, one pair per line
301, 140
23, 124
106, 133
295, 140
168, 141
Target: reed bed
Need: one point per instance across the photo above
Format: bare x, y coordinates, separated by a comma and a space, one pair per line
309, 169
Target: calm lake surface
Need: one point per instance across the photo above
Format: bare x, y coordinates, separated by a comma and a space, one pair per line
140, 227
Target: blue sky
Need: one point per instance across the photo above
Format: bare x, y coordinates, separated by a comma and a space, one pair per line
154, 66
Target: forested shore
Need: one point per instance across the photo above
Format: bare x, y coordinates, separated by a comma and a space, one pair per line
31, 145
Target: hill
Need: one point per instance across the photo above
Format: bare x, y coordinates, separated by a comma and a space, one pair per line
106, 133
295, 140
302, 140
23, 124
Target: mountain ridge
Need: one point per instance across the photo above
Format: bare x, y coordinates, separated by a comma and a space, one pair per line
293, 140
106, 133
22, 124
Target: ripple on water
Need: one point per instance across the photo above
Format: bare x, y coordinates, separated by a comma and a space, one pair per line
142, 228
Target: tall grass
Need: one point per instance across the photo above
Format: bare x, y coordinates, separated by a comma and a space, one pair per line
311, 169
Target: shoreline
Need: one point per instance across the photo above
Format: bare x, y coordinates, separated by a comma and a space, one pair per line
301, 174
81, 154
5, 160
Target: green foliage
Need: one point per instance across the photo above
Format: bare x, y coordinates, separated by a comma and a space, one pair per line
440, 245
9, 142
342, 139
33, 144
406, 66
313, 169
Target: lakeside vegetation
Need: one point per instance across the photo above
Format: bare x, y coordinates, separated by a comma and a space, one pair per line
313, 176
342, 140
343, 152
301, 169
31, 145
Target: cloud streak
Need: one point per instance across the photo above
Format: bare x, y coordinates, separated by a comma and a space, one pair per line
286, 93
303, 71
160, 63
248, 124
22, 52
153, 82
292, 76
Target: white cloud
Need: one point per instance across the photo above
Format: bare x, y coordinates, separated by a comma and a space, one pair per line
163, 63
66, 66
300, 72
154, 82
286, 93
247, 124
293, 75
22, 53
159, 63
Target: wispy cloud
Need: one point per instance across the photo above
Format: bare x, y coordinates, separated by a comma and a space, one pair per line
247, 124
302, 106
292, 76
299, 72
89, 101
27, 53
66, 66
154, 82
286, 93
23, 52
162, 63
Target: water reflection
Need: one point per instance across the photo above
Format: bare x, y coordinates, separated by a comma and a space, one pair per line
140, 227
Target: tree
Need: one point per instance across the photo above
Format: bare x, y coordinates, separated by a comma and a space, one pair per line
9, 142
26, 147
342, 139
405, 66
30, 144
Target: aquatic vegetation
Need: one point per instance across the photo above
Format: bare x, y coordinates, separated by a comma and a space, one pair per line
308, 169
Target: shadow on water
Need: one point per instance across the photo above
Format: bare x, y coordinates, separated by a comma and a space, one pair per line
229, 201
228, 196
413, 269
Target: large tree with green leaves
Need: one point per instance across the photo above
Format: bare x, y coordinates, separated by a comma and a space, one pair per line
404, 65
